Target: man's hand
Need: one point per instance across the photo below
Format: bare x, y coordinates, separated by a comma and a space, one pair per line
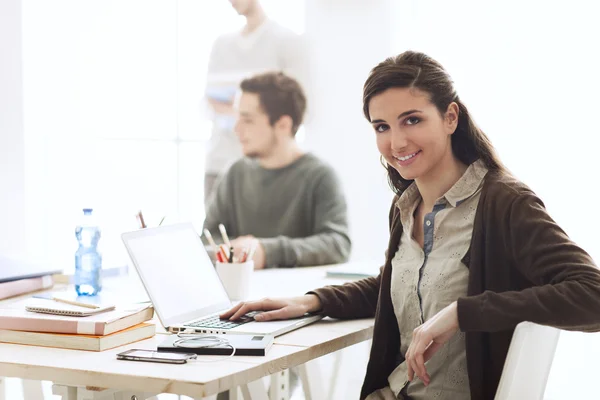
427, 340
247, 242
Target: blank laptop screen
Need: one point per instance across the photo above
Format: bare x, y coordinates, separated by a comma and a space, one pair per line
176, 271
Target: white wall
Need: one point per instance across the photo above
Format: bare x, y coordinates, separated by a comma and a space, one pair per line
346, 39
527, 70
12, 155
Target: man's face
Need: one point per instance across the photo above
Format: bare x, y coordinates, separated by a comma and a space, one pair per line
256, 134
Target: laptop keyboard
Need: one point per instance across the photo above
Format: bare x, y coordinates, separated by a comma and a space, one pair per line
216, 323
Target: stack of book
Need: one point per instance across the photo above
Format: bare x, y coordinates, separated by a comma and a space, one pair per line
22, 286
96, 332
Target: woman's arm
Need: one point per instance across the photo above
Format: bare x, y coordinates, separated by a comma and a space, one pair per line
351, 300
566, 294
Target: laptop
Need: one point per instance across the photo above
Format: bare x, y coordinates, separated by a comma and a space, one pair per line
184, 287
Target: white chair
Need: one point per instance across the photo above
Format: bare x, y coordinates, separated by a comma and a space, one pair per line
528, 362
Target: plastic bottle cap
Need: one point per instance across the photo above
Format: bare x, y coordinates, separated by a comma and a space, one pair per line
88, 210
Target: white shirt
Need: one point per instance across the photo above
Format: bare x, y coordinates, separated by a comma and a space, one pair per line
236, 56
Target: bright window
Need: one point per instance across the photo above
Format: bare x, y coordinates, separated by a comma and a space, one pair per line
112, 113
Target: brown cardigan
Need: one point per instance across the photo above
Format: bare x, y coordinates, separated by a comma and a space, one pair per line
522, 267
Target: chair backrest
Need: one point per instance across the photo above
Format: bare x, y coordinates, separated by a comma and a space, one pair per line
528, 362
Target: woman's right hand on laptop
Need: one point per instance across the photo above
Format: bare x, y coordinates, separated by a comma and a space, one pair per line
281, 308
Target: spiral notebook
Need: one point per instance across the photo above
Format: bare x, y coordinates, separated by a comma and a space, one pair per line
47, 306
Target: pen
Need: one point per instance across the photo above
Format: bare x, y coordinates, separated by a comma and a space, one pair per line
230, 254
161, 221
211, 240
224, 235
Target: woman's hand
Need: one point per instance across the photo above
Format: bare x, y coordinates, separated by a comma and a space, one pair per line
428, 338
283, 308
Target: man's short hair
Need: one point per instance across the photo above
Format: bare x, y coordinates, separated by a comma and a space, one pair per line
279, 95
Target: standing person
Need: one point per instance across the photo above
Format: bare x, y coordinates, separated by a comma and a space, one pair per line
262, 45
472, 251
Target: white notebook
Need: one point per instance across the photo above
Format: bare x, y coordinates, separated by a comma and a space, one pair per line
47, 306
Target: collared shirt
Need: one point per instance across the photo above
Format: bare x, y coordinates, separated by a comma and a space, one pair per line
424, 281
520, 260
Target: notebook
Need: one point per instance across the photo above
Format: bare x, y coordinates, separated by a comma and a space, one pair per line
13, 316
79, 342
245, 345
48, 306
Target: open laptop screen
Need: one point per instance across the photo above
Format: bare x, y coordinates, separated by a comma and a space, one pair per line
177, 273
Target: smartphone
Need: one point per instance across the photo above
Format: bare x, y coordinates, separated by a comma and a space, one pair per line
155, 356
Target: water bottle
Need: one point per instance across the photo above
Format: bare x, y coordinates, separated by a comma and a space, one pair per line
88, 260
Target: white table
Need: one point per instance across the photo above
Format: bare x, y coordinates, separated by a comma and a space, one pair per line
73, 370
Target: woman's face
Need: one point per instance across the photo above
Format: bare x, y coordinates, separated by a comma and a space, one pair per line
411, 134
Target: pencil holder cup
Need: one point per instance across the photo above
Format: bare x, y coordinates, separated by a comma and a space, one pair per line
236, 278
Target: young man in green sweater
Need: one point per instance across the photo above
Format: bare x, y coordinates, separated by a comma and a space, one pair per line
287, 202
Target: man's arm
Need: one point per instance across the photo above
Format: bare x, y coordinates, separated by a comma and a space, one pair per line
330, 241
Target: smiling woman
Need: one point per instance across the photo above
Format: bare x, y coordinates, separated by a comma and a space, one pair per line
423, 128
472, 251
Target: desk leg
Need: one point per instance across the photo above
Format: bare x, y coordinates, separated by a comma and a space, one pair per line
32, 390
66, 392
2, 388
255, 391
310, 373
280, 386
337, 363
236, 394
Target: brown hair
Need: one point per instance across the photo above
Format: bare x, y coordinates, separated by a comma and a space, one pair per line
279, 95
417, 70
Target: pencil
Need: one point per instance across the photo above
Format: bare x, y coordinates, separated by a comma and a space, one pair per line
252, 251
141, 219
224, 234
75, 303
224, 253
211, 241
